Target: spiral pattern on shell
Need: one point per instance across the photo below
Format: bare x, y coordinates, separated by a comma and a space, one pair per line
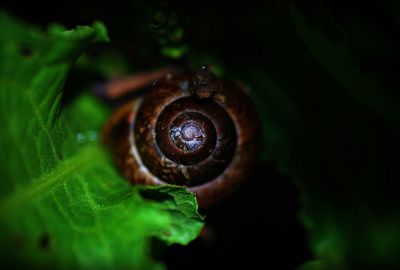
191, 130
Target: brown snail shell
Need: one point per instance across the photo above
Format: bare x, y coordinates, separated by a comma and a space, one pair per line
190, 129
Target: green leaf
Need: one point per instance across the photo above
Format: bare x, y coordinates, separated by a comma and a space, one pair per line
62, 204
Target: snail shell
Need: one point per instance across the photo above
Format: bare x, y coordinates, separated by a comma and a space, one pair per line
191, 129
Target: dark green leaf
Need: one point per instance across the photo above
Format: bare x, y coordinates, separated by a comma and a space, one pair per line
331, 47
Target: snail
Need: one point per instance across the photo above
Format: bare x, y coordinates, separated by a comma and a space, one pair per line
190, 129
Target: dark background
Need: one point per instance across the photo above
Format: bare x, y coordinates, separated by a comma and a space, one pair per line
320, 140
